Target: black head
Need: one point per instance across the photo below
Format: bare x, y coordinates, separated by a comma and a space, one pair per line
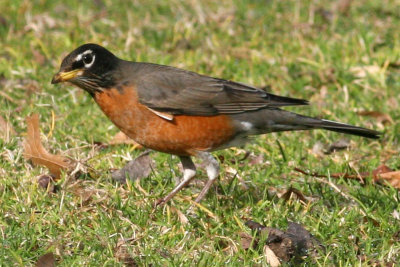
90, 67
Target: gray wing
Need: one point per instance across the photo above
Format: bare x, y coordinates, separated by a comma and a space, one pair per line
176, 91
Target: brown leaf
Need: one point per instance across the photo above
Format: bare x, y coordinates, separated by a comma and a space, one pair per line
379, 170
121, 138
34, 150
138, 168
270, 257
379, 116
6, 130
296, 242
246, 240
393, 178
46, 260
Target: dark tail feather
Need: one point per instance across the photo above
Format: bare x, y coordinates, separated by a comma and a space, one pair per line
347, 129
280, 101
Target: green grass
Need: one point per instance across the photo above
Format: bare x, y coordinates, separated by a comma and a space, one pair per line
303, 49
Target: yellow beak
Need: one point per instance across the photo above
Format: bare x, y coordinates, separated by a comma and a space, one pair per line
65, 76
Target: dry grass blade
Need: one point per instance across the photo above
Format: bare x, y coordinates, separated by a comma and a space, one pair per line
182, 218
6, 130
34, 150
381, 175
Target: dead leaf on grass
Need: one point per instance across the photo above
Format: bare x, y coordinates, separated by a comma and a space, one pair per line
138, 168
247, 241
270, 257
393, 178
296, 242
46, 260
34, 150
379, 116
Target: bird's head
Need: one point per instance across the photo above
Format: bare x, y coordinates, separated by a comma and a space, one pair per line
89, 67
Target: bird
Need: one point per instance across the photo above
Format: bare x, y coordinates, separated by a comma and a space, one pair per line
184, 113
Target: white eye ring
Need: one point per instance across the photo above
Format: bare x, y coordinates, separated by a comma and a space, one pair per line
82, 57
88, 64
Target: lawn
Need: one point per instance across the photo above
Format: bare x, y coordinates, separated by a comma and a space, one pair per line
343, 56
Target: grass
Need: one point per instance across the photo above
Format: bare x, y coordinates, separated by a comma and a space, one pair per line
343, 60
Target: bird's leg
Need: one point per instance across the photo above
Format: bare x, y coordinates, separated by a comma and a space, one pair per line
212, 168
189, 171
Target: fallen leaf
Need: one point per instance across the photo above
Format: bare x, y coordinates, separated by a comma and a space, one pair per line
6, 130
246, 240
138, 168
34, 150
393, 178
296, 242
121, 138
46, 260
379, 116
270, 257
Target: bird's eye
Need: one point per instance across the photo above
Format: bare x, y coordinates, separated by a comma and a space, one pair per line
88, 60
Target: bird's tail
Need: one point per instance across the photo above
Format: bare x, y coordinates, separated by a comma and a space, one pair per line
277, 120
345, 128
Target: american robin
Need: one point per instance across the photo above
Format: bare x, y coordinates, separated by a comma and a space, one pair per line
181, 112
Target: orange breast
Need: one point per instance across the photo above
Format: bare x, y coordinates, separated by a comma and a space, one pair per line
184, 135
